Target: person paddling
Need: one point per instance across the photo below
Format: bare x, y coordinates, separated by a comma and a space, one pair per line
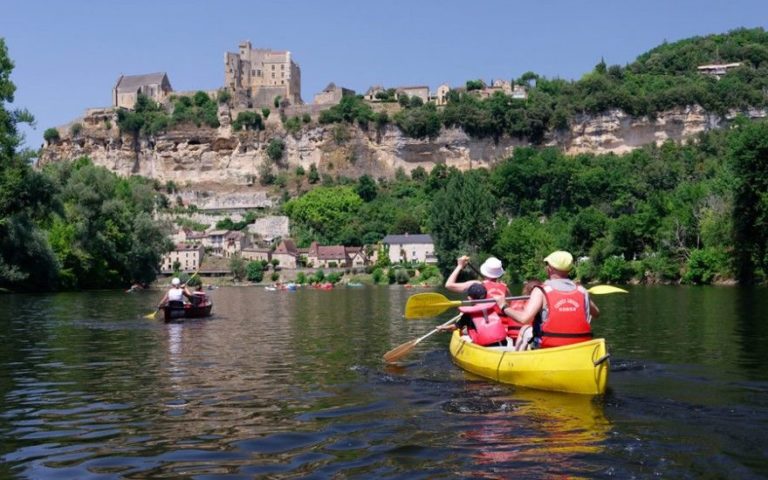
492, 271
566, 308
174, 297
480, 321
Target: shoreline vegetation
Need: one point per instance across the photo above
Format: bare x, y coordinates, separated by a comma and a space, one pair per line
693, 212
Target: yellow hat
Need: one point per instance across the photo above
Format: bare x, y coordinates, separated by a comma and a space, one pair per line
560, 260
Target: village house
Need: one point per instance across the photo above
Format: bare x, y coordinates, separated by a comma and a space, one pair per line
128, 87
262, 75
332, 95
717, 70
327, 256
234, 242
370, 94
410, 248
441, 95
421, 91
356, 256
188, 256
286, 254
214, 240
187, 235
256, 254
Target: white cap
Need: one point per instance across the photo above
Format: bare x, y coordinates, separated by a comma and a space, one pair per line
175, 282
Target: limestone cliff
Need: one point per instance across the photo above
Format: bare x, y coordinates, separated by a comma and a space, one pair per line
190, 156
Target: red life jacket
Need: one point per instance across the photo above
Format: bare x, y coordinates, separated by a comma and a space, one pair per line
566, 319
495, 289
513, 326
488, 326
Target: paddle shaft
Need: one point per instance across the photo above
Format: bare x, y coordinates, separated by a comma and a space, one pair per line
405, 348
437, 329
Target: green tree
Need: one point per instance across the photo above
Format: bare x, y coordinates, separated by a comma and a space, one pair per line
461, 217
366, 188
26, 200
238, 267
749, 157
325, 211
254, 272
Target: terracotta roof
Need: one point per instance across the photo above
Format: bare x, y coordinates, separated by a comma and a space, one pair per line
286, 246
333, 252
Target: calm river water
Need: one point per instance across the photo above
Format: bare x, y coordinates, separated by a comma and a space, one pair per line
291, 385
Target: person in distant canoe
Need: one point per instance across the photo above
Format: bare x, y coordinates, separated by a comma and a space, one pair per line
565, 307
480, 321
174, 297
492, 271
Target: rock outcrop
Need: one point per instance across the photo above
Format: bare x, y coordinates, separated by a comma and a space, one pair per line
189, 156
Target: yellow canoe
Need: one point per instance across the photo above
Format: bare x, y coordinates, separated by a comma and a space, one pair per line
578, 368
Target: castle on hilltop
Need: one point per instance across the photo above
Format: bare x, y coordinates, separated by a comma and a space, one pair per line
260, 75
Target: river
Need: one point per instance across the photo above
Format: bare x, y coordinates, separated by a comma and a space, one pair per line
291, 385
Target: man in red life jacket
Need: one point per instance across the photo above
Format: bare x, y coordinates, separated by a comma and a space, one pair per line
565, 307
480, 321
492, 271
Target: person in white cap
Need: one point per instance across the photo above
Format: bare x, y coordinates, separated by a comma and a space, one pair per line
565, 307
174, 297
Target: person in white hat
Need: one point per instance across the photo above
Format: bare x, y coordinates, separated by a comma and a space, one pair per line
565, 308
175, 295
491, 270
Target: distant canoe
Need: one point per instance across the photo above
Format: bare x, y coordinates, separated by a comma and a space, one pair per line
199, 308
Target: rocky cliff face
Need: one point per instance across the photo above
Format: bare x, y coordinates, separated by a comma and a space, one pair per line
189, 156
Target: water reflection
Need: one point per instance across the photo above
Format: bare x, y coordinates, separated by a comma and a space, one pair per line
291, 385
511, 432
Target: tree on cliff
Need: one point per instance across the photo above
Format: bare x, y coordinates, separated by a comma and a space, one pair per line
26, 198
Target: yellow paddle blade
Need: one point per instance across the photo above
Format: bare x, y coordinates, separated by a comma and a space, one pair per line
400, 351
605, 289
425, 305
151, 315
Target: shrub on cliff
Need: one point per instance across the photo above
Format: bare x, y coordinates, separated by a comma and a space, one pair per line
51, 135
248, 120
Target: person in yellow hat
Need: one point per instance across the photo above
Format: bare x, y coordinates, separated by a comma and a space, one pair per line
565, 307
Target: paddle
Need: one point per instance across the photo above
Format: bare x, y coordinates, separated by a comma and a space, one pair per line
151, 315
425, 305
402, 350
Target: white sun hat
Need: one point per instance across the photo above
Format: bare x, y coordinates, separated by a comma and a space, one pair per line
491, 268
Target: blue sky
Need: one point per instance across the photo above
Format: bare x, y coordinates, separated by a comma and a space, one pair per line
68, 54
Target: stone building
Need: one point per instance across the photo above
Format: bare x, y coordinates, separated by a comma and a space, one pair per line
441, 96
286, 254
262, 75
410, 248
332, 95
421, 91
128, 87
189, 256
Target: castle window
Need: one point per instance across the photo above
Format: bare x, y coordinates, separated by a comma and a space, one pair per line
273, 75
258, 73
273, 67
